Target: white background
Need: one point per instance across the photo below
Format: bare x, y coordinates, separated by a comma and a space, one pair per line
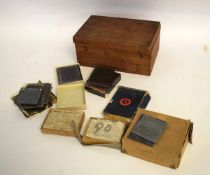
36, 37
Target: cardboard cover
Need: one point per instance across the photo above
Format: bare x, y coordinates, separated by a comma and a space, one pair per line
58, 121
71, 96
102, 131
169, 149
148, 130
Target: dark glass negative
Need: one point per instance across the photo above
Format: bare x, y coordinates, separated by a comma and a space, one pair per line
148, 130
29, 96
46, 99
69, 74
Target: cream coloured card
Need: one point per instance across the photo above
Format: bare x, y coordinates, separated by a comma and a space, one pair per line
58, 121
71, 96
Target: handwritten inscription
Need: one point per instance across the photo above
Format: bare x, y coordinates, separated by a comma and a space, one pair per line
100, 125
105, 130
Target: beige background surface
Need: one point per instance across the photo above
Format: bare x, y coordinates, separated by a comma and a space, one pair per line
36, 37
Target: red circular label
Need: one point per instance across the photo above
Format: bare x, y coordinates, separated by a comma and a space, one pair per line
125, 101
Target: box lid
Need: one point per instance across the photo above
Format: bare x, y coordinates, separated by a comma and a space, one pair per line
118, 32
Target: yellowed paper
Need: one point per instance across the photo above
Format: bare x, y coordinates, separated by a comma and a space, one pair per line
106, 130
71, 96
59, 119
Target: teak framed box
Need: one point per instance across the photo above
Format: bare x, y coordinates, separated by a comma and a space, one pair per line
127, 45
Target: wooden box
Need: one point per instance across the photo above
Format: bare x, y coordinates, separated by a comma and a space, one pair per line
169, 149
127, 45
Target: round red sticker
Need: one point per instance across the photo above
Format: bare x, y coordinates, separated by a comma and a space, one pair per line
125, 101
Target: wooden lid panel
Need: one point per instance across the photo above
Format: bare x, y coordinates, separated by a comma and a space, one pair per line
108, 31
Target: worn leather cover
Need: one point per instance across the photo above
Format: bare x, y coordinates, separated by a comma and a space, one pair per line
102, 77
103, 91
125, 102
